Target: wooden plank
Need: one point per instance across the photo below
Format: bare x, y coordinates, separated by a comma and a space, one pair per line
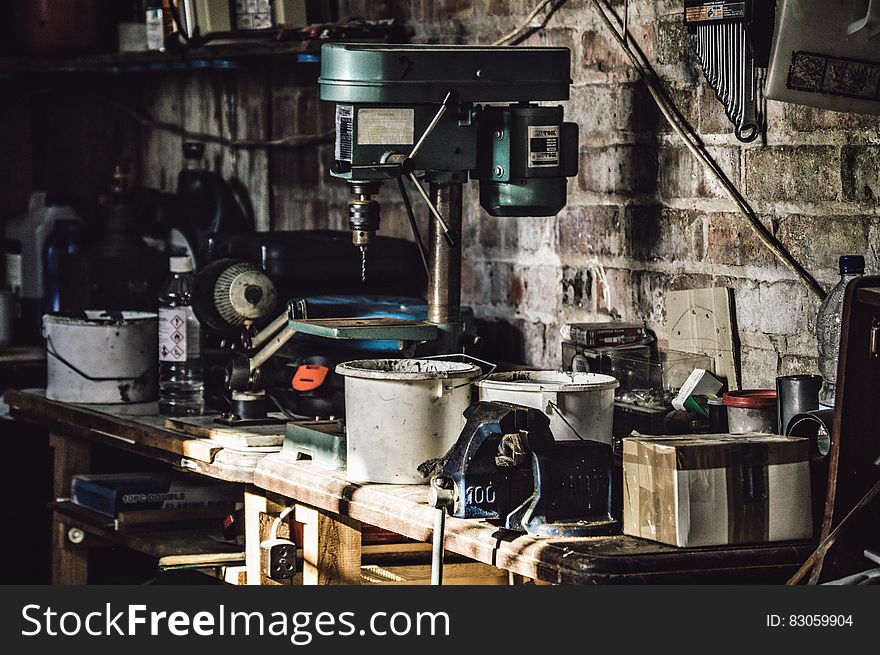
331, 548
699, 321
155, 543
235, 575
254, 503
453, 574
142, 430
199, 559
204, 427
144, 434
70, 562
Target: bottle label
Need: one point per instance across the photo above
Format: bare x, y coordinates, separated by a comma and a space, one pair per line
178, 334
155, 28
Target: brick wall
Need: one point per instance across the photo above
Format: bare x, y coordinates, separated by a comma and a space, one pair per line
642, 217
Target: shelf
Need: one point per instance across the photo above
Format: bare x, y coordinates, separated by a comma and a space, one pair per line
225, 56
160, 543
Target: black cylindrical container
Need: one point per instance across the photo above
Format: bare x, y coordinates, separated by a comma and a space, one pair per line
796, 394
717, 416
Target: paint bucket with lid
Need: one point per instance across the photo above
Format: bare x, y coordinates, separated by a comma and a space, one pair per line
102, 357
400, 413
580, 405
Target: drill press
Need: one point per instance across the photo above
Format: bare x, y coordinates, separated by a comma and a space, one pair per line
410, 113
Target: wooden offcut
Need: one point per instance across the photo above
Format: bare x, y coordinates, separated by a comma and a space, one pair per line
700, 321
251, 436
331, 548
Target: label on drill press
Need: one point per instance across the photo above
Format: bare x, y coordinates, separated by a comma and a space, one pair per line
543, 145
344, 122
178, 334
699, 12
388, 125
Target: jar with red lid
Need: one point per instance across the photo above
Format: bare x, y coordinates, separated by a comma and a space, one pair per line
751, 410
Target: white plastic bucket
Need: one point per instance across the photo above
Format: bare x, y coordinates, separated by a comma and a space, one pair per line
400, 413
102, 358
580, 405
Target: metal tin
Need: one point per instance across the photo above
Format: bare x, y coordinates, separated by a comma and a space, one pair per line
580, 405
102, 357
400, 413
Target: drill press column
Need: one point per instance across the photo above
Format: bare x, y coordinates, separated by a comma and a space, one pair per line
444, 261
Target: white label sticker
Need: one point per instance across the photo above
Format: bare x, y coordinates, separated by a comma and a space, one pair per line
376, 127
543, 145
344, 115
178, 334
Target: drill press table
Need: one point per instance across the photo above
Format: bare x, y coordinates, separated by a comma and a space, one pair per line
403, 509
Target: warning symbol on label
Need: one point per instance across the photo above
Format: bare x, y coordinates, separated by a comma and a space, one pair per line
164, 351
176, 337
176, 321
177, 352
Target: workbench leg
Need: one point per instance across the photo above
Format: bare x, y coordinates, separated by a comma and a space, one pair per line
70, 562
254, 505
331, 548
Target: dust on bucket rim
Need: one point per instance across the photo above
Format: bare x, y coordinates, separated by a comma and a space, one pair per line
99, 317
407, 369
560, 381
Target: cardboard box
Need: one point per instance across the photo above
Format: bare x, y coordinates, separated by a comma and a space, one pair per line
709, 490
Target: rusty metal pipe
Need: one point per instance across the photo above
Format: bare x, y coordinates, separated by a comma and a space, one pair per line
444, 261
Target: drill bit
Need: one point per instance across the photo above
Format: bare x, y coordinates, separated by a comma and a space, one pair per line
363, 264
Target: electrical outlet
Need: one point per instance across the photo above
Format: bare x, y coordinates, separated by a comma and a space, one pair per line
278, 559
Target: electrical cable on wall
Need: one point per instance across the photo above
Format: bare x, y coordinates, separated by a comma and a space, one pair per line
523, 26
292, 142
696, 147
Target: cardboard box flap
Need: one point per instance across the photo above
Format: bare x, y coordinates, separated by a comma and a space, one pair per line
721, 451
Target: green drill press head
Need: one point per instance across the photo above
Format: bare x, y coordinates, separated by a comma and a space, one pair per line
387, 100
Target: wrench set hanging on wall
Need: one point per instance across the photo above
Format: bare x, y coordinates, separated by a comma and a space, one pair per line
732, 42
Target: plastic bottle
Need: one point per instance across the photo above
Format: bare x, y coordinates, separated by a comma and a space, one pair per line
25, 242
181, 385
828, 327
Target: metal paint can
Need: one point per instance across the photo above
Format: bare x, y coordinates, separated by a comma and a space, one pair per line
400, 413
102, 357
580, 405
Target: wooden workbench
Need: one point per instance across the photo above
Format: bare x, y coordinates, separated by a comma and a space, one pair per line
334, 514
134, 428
137, 429
75, 429
403, 509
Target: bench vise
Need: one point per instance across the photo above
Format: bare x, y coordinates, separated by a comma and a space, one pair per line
506, 465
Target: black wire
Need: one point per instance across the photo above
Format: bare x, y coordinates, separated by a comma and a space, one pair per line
412, 221
280, 407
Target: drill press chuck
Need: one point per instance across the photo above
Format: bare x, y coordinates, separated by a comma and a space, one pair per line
363, 219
